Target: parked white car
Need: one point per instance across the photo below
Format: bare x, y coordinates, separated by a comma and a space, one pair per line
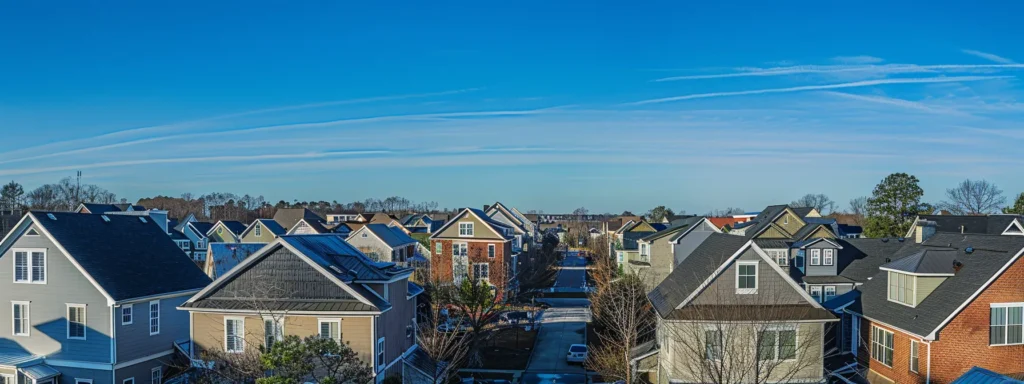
577, 353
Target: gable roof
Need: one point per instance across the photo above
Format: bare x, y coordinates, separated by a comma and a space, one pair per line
288, 217
680, 226
991, 255
124, 257
764, 219
97, 208
268, 225
865, 256
704, 265
507, 212
991, 224
802, 211
490, 223
932, 262
221, 257
315, 225
235, 227
333, 257
201, 228
180, 224
392, 237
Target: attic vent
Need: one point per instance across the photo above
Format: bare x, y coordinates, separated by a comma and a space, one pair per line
336, 269
142, 219
51, 216
105, 218
969, 250
32, 232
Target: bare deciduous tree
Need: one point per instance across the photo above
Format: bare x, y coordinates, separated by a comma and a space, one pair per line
819, 201
448, 349
973, 198
626, 319
725, 212
724, 338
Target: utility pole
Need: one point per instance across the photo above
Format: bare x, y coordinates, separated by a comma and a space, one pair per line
78, 189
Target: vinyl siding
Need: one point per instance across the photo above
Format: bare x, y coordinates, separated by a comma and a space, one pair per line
393, 324
225, 237
794, 224
134, 341
264, 237
925, 287
772, 233
68, 376
371, 244
678, 364
48, 308
821, 270
480, 230
142, 372
208, 331
822, 232
772, 288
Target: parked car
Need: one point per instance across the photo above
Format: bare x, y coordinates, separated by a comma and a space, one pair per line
577, 353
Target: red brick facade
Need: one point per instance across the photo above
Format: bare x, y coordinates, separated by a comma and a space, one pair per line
499, 265
961, 344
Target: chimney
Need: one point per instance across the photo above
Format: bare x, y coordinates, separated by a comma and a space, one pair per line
924, 230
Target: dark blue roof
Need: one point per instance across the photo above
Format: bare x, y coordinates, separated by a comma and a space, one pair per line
128, 258
819, 220
201, 226
268, 225
235, 227
331, 250
743, 224
978, 375
227, 255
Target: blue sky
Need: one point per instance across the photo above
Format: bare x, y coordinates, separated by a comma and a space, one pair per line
542, 105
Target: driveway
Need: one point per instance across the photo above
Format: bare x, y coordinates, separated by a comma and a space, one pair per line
553, 340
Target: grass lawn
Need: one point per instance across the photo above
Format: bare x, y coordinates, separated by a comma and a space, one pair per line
501, 350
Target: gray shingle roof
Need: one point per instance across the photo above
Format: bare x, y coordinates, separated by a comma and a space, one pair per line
776, 312
864, 256
991, 224
283, 305
802, 211
991, 253
393, 237
688, 275
926, 261
288, 217
677, 226
332, 250
127, 258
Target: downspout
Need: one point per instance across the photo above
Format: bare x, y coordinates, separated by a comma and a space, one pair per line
928, 375
113, 343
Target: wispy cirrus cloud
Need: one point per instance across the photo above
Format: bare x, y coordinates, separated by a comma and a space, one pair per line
855, 84
861, 59
886, 69
988, 56
896, 102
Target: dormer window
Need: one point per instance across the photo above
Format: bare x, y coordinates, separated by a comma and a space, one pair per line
901, 288
815, 257
829, 257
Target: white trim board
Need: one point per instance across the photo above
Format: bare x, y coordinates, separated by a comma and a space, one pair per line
460, 215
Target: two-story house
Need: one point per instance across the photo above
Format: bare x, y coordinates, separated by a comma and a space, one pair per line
473, 245
261, 231
729, 311
657, 251
383, 243
309, 285
626, 241
421, 223
90, 298
196, 232
524, 230
941, 304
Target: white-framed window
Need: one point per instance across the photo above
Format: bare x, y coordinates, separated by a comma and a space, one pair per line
901, 288
330, 329
712, 344
183, 244
156, 375
77, 381
273, 331
130, 380
481, 271
126, 314
815, 256
460, 249
258, 231
234, 334
201, 243
6, 378
816, 293
76, 322
776, 344
30, 266
154, 317
438, 248
781, 256
490, 251
620, 256
914, 355
881, 345
746, 277
785, 220
380, 354
21, 324
1006, 324
828, 257
643, 249
465, 229
830, 292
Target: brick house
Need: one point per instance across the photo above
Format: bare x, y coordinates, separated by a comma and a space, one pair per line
473, 245
944, 303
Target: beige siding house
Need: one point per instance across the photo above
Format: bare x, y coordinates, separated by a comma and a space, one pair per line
316, 285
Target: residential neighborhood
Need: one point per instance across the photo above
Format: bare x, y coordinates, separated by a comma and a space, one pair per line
519, 192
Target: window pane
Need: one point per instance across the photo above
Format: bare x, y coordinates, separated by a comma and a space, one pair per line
38, 266
1015, 328
20, 266
787, 345
766, 345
